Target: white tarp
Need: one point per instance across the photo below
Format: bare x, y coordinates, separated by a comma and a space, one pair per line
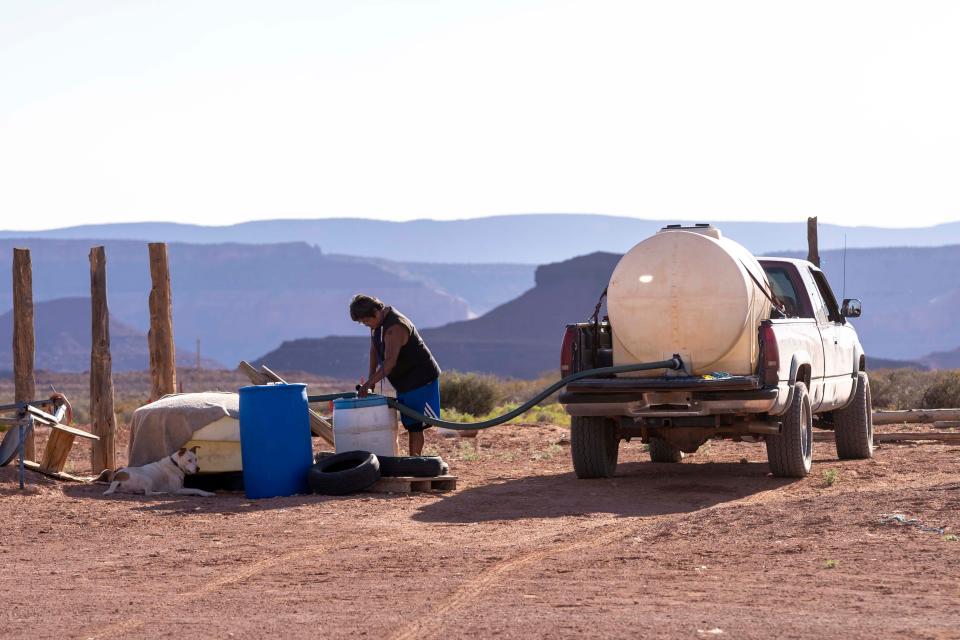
160, 428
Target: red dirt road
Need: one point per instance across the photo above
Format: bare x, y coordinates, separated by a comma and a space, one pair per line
711, 548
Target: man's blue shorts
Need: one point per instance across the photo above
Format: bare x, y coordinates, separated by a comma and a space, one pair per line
425, 400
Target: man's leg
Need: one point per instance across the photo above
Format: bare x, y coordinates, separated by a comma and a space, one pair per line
416, 443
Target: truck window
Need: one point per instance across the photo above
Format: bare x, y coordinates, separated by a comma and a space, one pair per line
783, 287
829, 301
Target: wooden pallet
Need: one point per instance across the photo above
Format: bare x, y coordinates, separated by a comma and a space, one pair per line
408, 484
909, 436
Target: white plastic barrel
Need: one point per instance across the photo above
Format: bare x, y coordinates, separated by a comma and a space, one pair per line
691, 292
365, 424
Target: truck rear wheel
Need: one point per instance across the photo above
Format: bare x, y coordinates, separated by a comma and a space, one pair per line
853, 425
594, 445
663, 451
790, 453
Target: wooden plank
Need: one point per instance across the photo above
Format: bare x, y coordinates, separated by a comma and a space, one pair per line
23, 337
813, 253
57, 451
409, 484
946, 424
318, 425
907, 436
103, 420
929, 435
67, 477
163, 356
915, 416
74, 431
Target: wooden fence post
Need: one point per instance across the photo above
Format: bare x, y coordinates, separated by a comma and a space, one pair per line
813, 253
23, 338
163, 359
102, 418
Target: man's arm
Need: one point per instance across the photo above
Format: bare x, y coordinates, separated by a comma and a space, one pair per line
393, 340
373, 360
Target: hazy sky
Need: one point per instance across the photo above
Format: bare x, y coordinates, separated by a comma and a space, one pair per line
222, 111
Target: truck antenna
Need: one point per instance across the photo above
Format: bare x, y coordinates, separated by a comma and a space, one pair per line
844, 266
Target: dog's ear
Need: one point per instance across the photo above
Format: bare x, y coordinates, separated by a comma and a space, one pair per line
194, 449
182, 451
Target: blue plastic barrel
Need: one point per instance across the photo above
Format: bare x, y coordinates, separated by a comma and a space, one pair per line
275, 439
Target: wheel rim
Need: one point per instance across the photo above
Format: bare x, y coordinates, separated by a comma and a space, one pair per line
806, 434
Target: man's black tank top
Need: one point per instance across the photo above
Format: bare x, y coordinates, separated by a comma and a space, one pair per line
415, 364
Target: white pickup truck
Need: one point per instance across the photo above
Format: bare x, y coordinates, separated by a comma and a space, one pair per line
766, 351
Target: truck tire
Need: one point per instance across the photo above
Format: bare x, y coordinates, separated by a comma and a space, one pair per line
790, 453
594, 445
663, 451
853, 425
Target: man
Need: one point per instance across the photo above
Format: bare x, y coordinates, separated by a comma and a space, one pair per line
398, 353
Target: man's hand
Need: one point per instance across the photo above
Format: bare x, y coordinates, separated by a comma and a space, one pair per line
363, 389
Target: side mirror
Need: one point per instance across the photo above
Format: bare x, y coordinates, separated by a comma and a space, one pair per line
851, 308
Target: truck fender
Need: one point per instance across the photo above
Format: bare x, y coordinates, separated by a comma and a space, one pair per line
798, 360
857, 354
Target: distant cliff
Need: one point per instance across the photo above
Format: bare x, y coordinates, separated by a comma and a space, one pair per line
520, 338
62, 340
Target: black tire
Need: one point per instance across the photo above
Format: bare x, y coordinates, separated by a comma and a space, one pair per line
790, 453
853, 425
594, 445
414, 466
663, 451
344, 473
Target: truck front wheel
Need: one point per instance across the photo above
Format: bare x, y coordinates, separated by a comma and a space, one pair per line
594, 445
853, 425
790, 453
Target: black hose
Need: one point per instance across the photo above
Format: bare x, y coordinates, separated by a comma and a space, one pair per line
673, 363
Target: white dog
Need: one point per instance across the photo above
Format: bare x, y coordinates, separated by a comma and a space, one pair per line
163, 476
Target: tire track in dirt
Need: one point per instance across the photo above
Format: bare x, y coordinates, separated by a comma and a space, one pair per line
130, 625
434, 621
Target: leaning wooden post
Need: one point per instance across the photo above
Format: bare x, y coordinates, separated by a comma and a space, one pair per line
102, 418
813, 254
163, 359
23, 340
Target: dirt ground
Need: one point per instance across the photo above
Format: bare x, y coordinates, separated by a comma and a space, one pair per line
712, 547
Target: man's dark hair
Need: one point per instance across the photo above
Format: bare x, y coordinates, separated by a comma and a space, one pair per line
364, 307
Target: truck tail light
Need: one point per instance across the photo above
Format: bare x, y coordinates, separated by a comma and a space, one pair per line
769, 355
566, 351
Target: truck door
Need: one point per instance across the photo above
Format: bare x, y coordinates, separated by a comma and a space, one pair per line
838, 344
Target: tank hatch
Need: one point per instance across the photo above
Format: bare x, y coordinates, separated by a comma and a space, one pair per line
702, 228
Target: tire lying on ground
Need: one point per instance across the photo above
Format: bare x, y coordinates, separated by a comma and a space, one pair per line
344, 473
414, 466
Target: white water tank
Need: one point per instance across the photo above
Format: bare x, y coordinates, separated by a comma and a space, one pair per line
688, 290
365, 424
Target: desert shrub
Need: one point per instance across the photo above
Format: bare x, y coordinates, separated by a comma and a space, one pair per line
899, 388
944, 393
519, 391
470, 393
